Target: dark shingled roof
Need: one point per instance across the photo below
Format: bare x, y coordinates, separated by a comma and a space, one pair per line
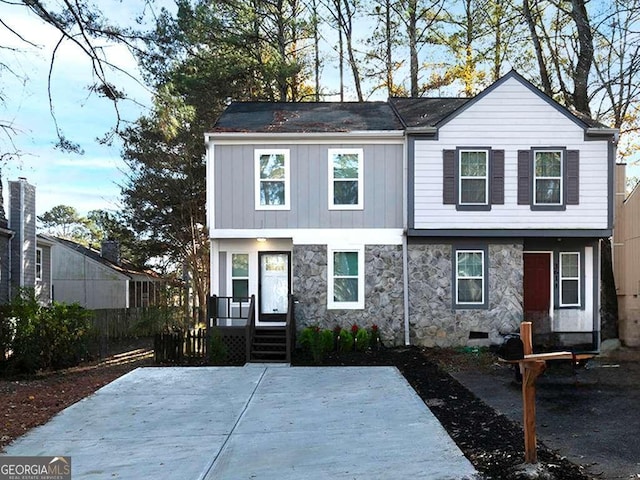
124, 267
307, 117
425, 112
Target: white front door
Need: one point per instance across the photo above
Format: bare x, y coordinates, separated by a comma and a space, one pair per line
274, 287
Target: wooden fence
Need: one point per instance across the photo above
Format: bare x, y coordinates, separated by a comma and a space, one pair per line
193, 347
110, 327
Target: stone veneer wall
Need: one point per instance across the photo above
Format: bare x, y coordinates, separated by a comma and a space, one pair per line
434, 322
383, 303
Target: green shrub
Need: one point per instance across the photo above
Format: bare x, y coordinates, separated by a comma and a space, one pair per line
362, 340
346, 341
328, 343
316, 342
217, 348
45, 337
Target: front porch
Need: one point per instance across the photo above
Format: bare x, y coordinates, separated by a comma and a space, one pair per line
234, 319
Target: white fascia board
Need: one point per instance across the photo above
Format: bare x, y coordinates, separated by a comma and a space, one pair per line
318, 236
367, 136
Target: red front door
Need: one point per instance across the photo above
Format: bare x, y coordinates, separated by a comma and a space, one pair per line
537, 290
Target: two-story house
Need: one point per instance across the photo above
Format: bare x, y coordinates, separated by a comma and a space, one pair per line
509, 196
445, 221
307, 198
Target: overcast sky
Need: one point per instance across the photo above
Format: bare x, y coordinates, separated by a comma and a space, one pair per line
85, 182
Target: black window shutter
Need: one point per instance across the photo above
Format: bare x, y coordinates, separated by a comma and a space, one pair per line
497, 177
524, 180
449, 177
573, 177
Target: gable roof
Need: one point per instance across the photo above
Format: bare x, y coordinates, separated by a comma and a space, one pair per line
397, 114
425, 111
435, 112
307, 117
124, 267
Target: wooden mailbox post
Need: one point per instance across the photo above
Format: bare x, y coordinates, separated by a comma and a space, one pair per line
531, 366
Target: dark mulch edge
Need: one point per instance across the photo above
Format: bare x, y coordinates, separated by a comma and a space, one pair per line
493, 443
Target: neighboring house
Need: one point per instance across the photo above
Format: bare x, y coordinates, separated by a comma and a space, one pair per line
5, 238
509, 196
70, 272
626, 259
62, 270
446, 221
17, 239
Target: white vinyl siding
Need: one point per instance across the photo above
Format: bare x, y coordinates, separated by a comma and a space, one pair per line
493, 121
345, 278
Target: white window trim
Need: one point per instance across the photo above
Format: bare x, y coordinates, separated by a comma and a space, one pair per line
562, 278
360, 153
287, 196
536, 178
485, 177
481, 302
39, 264
359, 304
231, 278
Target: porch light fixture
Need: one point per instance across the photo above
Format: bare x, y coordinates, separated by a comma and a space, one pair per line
261, 239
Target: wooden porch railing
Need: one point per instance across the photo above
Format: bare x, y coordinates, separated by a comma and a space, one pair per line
291, 328
250, 328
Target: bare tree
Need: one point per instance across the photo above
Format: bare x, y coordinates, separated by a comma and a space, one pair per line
81, 23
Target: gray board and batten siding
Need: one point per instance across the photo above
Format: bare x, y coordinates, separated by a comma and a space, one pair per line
234, 174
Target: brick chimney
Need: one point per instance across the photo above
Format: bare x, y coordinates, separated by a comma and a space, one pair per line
110, 250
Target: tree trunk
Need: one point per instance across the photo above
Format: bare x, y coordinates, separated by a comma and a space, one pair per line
608, 295
412, 32
585, 57
537, 46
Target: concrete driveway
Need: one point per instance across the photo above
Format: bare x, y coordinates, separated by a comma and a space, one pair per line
252, 422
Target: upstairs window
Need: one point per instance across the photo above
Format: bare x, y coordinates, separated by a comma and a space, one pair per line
345, 278
547, 177
239, 276
474, 178
569, 279
272, 179
345, 179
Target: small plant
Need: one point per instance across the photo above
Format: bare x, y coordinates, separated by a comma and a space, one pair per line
217, 347
316, 342
375, 337
346, 341
362, 340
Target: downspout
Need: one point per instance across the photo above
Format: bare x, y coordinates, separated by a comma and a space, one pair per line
405, 217
405, 253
